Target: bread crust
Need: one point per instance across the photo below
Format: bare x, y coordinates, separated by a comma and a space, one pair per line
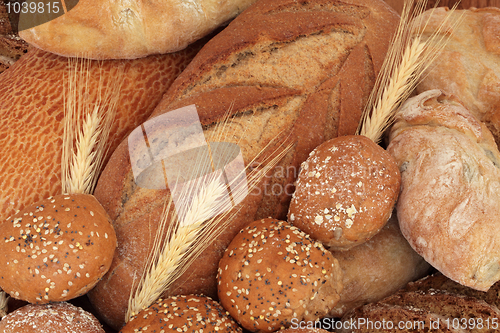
256, 71
448, 206
130, 29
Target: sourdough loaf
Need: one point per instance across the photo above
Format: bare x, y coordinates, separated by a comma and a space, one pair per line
129, 29
299, 71
32, 108
469, 66
448, 207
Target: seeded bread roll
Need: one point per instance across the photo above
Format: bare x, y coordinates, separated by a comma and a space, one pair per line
186, 313
56, 249
50, 318
345, 192
272, 273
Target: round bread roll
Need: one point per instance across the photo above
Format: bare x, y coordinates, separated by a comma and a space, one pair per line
273, 273
346, 192
54, 318
186, 313
303, 330
56, 249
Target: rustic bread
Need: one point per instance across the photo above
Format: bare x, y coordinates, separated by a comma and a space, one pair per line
377, 269
261, 70
345, 192
184, 313
32, 108
272, 274
448, 207
56, 249
59, 317
469, 66
129, 30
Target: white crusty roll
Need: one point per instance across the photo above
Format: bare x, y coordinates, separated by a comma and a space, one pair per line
130, 29
185, 313
56, 249
448, 208
60, 317
272, 274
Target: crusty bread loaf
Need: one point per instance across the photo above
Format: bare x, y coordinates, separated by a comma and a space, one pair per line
56, 249
129, 30
50, 318
296, 70
345, 192
377, 269
32, 108
469, 66
448, 207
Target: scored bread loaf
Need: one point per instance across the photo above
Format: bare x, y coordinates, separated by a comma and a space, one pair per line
32, 94
130, 29
299, 71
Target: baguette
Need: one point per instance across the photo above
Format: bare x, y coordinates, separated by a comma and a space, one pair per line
298, 71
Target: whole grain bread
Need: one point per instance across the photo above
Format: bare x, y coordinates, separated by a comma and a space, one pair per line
299, 71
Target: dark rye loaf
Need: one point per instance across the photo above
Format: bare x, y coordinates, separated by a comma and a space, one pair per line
299, 70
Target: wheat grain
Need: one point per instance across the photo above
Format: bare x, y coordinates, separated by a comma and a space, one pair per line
88, 117
188, 238
407, 59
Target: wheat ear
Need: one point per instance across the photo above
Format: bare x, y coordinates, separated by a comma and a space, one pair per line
87, 126
407, 59
186, 239
4, 303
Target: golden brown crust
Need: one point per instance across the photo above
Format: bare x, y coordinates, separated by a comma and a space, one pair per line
56, 249
345, 192
469, 65
448, 207
377, 269
50, 318
187, 313
272, 273
129, 30
32, 105
260, 77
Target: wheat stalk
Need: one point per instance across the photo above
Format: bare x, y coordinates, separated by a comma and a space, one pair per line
185, 240
87, 127
4, 302
407, 59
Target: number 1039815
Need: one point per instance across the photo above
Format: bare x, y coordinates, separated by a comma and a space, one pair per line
471, 323
34, 7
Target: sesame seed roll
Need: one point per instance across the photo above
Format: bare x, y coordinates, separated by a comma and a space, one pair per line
56, 249
186, 313
272, 273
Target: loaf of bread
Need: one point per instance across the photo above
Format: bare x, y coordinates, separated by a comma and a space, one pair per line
377, 269
469, 66
448, 207
129, 29
32, 108
299, 71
